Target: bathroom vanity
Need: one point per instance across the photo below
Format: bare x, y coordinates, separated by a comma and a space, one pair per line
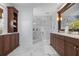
8, 42
65, 44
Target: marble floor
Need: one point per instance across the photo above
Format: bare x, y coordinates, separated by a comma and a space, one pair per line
41, 48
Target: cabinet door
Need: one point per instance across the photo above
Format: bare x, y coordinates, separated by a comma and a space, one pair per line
17, 40
70, 49
1, 45
6, 48
51, 39
12, 41
59, 43
78, 51
10, 19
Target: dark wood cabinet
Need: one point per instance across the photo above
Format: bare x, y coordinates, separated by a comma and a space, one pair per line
70, 49
65, 46
58, 43
8, 43
12, 41
12, 19
52, 41
1, 45
78, 50
16, 39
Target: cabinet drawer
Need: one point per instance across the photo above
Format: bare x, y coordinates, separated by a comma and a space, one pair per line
72, 40
59, 36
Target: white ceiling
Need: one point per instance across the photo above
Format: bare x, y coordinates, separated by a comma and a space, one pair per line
34, 4
40, 8
38, 4
46, 9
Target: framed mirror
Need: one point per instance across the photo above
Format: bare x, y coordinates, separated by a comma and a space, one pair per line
67, 15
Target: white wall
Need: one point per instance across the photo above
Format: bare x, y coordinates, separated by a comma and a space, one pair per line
25, 18
4, 18
54, 22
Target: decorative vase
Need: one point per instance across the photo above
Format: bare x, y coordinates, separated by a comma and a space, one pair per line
67, 29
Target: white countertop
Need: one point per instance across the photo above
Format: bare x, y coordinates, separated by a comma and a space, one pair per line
66, 34
8, 33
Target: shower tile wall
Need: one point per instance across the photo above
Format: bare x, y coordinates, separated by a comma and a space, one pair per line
41, 28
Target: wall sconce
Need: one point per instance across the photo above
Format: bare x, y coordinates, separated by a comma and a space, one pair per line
57, 18
61, 18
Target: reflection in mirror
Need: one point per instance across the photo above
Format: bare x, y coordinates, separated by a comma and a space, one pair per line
70, 18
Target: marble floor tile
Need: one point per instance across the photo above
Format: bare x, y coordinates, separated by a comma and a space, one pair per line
39, 49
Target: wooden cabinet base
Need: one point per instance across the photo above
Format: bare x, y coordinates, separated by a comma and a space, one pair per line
8, 43
65, 46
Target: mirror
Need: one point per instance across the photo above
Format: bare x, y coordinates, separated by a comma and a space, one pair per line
70, 16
